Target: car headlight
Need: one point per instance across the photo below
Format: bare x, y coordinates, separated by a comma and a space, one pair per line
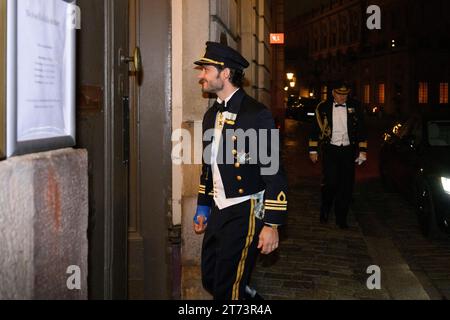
446, 184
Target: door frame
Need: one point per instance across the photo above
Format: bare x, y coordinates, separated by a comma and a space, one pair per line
116, 166
150, 228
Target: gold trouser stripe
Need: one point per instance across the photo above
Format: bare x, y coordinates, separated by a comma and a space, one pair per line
241, 267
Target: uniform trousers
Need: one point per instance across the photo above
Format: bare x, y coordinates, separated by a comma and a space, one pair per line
338, 168
230, 250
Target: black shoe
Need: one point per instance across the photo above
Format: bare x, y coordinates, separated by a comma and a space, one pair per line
323, 218
343, 226
252, 295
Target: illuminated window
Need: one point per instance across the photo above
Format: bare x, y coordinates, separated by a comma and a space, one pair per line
423, 92
381, 93
324, 93
443, 93
367, 94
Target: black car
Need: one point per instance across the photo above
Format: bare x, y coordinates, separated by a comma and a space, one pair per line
415, 160
308, 107
292, 107
302, 109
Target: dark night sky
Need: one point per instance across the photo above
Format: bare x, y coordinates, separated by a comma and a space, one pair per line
294, 8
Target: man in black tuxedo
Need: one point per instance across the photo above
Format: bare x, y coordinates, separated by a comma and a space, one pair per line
242, 198
340, 133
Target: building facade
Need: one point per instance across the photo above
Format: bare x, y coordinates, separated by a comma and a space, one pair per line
399, 68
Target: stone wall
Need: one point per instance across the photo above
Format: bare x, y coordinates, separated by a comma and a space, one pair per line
43, 226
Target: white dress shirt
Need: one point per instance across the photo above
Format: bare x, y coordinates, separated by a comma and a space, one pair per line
340, 131
220, 198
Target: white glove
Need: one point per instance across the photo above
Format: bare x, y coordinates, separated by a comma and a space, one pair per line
361, 159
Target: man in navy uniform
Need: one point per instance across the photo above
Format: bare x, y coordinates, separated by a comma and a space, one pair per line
239, 206
341, 133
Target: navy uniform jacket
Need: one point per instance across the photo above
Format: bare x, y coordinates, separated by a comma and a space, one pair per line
243, 179
323, 126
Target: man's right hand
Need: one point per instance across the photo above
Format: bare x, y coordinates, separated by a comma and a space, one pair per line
314, 157
201, 226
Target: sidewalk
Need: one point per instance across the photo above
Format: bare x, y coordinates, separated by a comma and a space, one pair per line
315, 261
324, 262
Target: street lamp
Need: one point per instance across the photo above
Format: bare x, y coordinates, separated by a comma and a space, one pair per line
292, 84
290, 76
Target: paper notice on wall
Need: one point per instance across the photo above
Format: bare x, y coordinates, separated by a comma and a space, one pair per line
45, 69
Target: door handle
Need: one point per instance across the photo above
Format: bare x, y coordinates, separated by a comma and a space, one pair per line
136, 60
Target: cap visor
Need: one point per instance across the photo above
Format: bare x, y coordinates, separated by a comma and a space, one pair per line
200, 63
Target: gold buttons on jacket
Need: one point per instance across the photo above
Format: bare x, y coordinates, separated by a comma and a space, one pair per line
239, 178
234, 152
241, 191
237, 165
234, 138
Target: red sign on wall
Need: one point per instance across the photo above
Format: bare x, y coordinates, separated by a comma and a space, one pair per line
277, 38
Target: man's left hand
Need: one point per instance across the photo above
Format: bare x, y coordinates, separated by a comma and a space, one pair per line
362, 158
268, 240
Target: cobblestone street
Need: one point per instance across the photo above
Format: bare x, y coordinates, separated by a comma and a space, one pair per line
323, 262
428, 259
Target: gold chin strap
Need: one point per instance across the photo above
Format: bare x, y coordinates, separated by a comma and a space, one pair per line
212, 61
